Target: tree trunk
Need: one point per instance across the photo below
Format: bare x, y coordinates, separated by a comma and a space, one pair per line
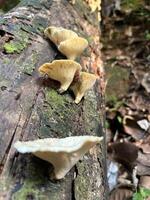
31, 108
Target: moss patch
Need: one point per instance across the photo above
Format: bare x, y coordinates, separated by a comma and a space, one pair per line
18, 44
30, 64
36, 183
90, 114
82, 183
14, 47
57, 117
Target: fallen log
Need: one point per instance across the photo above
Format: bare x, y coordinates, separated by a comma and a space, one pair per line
31, 108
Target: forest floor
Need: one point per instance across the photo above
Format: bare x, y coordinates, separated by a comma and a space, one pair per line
126, 56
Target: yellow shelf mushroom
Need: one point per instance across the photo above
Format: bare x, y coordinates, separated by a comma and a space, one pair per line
73, 48
59, 34
67, 41
62, 71
85, 82
63, 153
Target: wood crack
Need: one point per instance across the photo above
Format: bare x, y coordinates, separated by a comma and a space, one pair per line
73, 183
10, 144
29, 115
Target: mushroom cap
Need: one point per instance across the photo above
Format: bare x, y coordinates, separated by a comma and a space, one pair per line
86, 81
59, 34
62, 71
49, 32
68, 144
72, 48
62, 153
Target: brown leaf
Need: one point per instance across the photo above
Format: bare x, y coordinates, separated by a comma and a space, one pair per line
145, 181
142, 169
133, 129
124, 152
143, 164
122, 193
146, 82
144, 158
145, 145
141, 100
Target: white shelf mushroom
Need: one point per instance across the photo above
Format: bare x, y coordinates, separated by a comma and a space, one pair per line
62, 71
73, 48
67, 41
59, 34
85, 83
63, 153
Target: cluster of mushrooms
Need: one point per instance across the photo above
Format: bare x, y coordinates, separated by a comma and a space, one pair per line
64, 71
64, 153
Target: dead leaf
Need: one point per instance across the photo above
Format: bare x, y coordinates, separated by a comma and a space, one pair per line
124, 152
145, 181
133, 129
145, 145
144, 158
141, 100
142, 169
122, 193
148, 117
146, 82
143, 164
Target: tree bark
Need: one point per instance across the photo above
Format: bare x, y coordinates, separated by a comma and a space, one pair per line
31, 108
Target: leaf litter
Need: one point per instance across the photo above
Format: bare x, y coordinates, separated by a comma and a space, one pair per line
126, 56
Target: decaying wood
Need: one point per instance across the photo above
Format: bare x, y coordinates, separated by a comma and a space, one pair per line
31, 108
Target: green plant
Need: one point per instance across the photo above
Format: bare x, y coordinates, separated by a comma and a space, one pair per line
141, 194
147, 35
131, 4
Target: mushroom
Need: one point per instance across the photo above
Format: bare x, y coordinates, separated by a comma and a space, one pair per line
72, 48
59, 34
62, 71
86, 81
62, 153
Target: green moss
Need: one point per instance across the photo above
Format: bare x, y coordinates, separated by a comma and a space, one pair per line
5, 183
56, 99
81, 183
28, 68
6, 61
36, 183
13, 47
18, 44
59, 110
91, 116
59, 114
81, 189
34, 178
26, 191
